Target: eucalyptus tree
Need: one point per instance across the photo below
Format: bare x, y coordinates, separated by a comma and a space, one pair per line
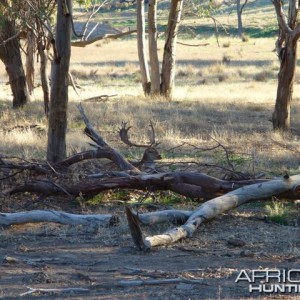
10, 55
56, 149
286, 47
239, 6
158, 82
141, 41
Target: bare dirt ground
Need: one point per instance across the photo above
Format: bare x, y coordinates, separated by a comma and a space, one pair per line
54, 256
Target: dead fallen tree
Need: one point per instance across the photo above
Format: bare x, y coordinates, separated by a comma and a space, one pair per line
52, 216
192, 185
225, 194
209, 210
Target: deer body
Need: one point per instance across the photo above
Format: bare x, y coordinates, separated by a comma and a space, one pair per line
147, 163
151, 154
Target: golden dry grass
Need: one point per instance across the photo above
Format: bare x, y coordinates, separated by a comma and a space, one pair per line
224, 92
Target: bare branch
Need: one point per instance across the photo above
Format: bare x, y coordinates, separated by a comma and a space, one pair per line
100, 98
17, 35
104, 148
191, 45
89, 130
95, 10
281, 17
243, 6
81, 43
53, 290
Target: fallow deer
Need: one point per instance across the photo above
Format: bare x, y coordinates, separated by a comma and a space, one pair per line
151, 154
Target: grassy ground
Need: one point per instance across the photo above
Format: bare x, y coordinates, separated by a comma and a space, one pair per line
224, 92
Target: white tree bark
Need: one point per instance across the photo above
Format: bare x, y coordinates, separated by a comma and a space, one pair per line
29, 73
217, 206
37, 216
153, 55
141, 41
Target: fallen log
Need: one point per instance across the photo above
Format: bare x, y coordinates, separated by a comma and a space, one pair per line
100, 98
52, 216
164, 216
212, 209
192, 185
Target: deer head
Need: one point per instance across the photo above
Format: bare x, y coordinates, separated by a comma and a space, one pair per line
151, 153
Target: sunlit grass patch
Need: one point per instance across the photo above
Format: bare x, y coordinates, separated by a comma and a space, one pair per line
283, 213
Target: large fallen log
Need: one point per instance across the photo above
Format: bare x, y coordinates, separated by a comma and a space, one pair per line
193, 185
37, 216
212, 209
164, 216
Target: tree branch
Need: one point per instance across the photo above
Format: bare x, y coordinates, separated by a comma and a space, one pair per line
281, 17
81, 43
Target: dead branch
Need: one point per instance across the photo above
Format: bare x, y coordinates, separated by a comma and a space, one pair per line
192, 45
73, 84
53, 290
15, 36
194, 147
192, 185
26, 165
52, 216
100, 98
217, 206
89, 130
164, 216
81, 43
114, 155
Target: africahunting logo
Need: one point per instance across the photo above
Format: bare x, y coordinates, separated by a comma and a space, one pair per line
271, 281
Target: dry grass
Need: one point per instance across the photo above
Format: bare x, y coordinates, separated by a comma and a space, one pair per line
230, 100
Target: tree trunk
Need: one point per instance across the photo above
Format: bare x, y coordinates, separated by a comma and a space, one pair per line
286, 47
169, 56
11, 57
59, 83
44, 76
239, 12
141, 46
153, 55
31, 42
288, 59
